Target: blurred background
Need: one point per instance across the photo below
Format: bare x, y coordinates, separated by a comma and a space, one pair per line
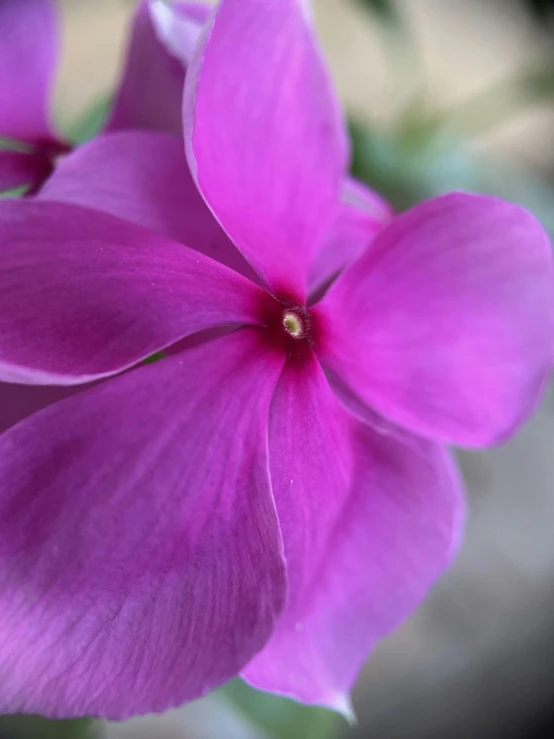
441, 94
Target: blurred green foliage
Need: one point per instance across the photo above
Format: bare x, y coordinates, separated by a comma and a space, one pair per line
410, 167
17, 193
385, 10
36, 727
12, 145
407, 169
281, 718
91, 122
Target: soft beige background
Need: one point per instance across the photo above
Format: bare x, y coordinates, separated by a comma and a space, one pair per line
465, 46
477, 657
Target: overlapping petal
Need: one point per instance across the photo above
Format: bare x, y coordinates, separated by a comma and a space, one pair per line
446, 324
27, 65
368, 521
179, 26
20, 401
144, 178
150, 93
358, 195
140, 561
360, 216
18, 168
85, 295
264, 136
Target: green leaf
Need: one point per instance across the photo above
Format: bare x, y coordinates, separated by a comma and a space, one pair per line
91, 122
21, 726
281, 718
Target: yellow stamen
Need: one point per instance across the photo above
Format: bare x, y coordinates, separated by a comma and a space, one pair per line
293, 324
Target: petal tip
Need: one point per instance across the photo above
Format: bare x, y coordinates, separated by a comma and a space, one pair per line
342, 703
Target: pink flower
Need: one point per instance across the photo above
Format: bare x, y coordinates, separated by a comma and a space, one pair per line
148, 97
27, 65
149, 94
144, 177
274, 500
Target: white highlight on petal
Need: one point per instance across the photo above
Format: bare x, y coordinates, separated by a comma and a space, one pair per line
343, 705
177, 33
307, 9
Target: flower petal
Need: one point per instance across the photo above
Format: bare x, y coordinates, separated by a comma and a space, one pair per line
150, 94
144, 178
446, 325
140, 562
20, 401
18, 168
27, 65
368, 523
361, 214
271, 173
179, 26
358, 195
85, 295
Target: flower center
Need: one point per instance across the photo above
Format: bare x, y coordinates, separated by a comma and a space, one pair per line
288, 325
293, 324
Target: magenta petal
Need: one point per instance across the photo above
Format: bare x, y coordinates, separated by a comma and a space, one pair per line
264, 135
360, 216
150, 94
85, 295
18, 169
446, 324
368, 524
144, 178
140, 561
27, 64
20, 401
